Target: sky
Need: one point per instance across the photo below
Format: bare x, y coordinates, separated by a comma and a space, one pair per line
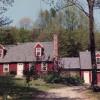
25, 8
31, 8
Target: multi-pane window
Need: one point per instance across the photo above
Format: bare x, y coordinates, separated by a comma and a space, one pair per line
38, 52
43, 66
6, 68
98, 60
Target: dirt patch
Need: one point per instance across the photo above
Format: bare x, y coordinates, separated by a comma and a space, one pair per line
65, 93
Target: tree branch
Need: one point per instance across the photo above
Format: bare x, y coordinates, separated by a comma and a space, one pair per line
75, 3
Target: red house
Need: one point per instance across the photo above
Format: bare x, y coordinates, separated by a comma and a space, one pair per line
20, 57
86, 67
81, 66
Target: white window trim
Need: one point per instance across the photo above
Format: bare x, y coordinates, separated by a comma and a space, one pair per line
5, 66
42, 65
98, 61
38, 50
30, 65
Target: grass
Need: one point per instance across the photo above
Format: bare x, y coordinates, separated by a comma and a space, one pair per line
18, 90
39, 84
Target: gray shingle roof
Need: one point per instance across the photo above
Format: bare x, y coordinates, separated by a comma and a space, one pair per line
25, 52
85, 60
70, 63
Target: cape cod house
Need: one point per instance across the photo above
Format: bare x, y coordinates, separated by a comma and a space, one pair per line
20, 57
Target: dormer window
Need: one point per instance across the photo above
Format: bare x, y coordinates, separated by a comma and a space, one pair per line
98, 60
38, 52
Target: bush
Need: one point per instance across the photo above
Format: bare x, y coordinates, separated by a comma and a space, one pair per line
13, 73
52, 78
25, 72
72, 80
55, 78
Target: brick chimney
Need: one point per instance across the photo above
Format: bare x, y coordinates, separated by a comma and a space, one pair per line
55, 45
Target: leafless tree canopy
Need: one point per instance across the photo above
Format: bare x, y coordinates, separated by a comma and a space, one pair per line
86, 6
4, 6
25, 22
81, 4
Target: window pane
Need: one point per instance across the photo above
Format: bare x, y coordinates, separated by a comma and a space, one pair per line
44, 66
98, 60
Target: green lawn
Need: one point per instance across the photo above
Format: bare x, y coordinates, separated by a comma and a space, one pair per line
39, 84
18, 89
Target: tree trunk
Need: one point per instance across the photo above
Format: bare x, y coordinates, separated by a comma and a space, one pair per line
92, 42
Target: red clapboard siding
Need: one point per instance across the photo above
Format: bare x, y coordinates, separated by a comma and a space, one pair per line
98, 77
38, 67
1, 69
26, 66
90, 76
81, 74
50, 67
13, 67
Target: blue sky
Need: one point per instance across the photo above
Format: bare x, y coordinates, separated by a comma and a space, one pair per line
31, 8
25, 8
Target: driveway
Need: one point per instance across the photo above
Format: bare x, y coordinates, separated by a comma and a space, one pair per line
65, 93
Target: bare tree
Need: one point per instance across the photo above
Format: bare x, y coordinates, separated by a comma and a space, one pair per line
86, 6
4, 5
25, 23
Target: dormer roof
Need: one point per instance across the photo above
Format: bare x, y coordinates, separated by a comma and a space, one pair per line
38, 44
24, 52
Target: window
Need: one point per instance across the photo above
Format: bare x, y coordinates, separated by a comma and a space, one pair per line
98, 60
38, 52
6, 68
44, 66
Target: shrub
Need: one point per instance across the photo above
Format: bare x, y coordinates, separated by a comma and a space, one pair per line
72, 80
55, 78
13, 73
52, 78
25, 72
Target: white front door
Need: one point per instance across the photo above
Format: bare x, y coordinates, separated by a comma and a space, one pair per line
20, 68
86, 77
